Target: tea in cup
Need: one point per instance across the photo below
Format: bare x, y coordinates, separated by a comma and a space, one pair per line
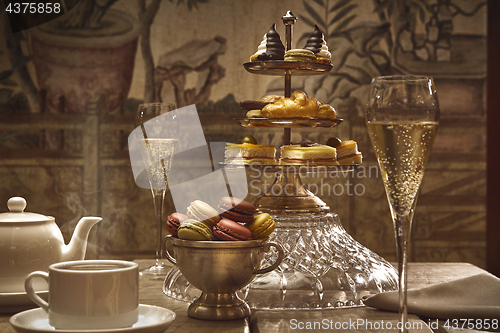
89, 294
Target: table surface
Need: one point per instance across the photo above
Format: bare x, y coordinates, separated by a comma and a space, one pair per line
419, 275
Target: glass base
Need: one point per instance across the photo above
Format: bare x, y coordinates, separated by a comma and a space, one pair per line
324, 267
158, 270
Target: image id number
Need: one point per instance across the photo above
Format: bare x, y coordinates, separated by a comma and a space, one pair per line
33, 7
472, 324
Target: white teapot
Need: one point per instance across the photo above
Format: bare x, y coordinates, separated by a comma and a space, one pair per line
31, 242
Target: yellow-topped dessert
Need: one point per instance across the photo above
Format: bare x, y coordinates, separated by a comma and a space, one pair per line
247, 153
347, 153
308, 154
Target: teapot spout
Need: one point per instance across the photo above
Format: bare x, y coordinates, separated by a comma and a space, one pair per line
77, 247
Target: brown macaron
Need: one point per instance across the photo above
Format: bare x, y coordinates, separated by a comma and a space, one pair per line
236, 209
227, 230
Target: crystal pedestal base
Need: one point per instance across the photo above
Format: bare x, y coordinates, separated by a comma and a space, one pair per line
324, 267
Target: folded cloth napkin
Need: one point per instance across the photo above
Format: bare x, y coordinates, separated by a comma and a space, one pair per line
474, 297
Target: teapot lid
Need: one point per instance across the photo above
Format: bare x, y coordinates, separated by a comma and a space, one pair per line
17, 214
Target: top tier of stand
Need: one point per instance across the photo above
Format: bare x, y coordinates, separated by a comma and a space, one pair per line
287, 69
281, 67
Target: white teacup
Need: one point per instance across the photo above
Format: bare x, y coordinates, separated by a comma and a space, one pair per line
89, 294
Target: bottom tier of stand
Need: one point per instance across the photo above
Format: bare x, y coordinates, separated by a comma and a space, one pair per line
324, 267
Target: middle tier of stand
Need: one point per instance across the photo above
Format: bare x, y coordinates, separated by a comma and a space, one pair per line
287, 122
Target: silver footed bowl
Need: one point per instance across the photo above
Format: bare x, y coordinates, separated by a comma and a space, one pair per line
219, 269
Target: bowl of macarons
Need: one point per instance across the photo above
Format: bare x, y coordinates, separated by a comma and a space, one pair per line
220, 251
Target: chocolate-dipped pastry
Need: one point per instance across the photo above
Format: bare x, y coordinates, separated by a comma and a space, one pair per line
252, 105
314, 42
271, 48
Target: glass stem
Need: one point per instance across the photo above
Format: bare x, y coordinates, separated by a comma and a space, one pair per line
158, 199
402, 225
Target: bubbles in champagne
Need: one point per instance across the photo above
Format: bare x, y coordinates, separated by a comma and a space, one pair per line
402, 149
158, 154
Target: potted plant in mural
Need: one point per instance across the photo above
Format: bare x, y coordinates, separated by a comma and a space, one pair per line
90, 50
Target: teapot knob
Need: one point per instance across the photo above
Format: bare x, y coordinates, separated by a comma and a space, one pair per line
16, 204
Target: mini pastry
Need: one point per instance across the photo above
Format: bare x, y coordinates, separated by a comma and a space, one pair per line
201, 211
271, 47
326, 111
254, 114
247, 153
252, 105
261, 226
270, 98
299, 55
236, 209
227, 230
317, 44
255, 107
347, 153
308, 154
194, 230
174, 221
298, 106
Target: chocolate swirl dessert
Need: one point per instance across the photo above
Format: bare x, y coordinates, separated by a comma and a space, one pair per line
317, 44
271, 47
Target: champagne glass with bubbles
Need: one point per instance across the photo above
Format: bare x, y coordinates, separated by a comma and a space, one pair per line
157, 137
402, 117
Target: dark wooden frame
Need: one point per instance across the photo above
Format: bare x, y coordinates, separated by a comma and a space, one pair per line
493, 139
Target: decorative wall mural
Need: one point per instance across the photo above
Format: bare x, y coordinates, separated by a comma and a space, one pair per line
69, 91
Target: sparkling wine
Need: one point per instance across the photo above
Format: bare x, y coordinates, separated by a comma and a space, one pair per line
158, 155
402, 149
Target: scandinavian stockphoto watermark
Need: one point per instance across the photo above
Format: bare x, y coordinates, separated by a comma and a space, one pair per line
319, 180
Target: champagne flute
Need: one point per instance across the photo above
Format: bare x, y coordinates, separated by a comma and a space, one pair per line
159, 123
402, 117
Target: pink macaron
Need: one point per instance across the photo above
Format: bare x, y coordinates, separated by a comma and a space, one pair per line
174, 221
228, 230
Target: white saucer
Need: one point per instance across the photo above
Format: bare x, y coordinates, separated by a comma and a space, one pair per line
15, 302
152, 319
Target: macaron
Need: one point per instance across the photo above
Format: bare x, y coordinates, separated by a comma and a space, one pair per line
201, 211
299, 55
174, 221
228, 230
194, 230
236, 209
261, 226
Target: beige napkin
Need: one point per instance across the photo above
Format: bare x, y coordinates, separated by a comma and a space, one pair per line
474, 297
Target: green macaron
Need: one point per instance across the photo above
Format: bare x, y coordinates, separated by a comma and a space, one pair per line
194, 230
299, 55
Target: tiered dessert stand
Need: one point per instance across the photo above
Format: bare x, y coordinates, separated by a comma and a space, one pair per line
324, 267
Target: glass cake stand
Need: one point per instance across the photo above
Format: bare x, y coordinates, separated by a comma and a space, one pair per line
324, 267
